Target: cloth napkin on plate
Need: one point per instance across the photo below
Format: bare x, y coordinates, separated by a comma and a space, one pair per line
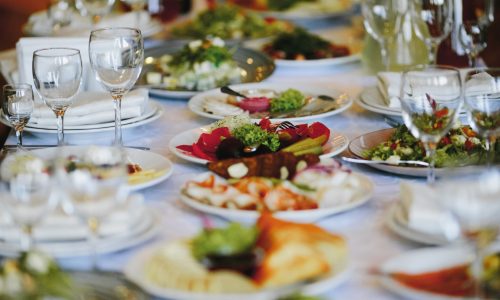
389, 85
92, 108
424, 213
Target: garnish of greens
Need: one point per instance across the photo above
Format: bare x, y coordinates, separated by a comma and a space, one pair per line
435, 121
253, 135
199, 65
289, 100
231, 240
34, 275
459, 147
281, 5
486, 121
300, 44
230, 22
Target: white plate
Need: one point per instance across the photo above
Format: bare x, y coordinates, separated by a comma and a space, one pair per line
134, 271
396, 220
146, 159
301, 216
144, 231
195, 104
423, 261
129, 123
335, 145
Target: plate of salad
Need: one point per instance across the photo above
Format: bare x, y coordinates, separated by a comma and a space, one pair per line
229, 22
182, 69
238, 136
461, 150
278, 102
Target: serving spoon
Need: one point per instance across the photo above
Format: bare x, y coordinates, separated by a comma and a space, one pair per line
230, 91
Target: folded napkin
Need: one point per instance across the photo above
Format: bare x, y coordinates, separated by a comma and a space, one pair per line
58, 226
92, 108
424, 213
39, 24
481, 83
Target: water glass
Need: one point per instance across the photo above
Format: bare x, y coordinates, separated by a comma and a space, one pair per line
137, 7
434, 22
96, 9
430, 98
57, 73
17, 106
482, 102
116, 57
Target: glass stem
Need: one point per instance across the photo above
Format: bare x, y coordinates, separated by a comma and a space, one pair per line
490, 150
60, 127
118, 119
19, 136
384, 54
93, 225
433, 49
27, 238
430, 150
477, 271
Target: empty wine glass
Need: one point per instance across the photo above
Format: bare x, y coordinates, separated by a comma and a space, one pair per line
137, 7
96, 9
95, 184
475, 204
482, 101
60, 13
434, 21
430, 101
473, 38
26, 193
17, 106
57, 73
116, 57
382, 20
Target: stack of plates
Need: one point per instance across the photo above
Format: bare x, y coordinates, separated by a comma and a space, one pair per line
61, 235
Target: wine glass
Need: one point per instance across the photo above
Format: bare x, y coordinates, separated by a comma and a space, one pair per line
433, 23
382, 20
482, 101
137, 7
95, 184
475, 204
26, 193
116, 57
430, 101
60, 13
57, 73
472, 36
96, 9
18, 105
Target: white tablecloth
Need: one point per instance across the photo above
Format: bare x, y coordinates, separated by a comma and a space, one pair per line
370, 242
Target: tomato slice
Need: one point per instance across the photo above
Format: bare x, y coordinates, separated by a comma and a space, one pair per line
255, 104
317, 129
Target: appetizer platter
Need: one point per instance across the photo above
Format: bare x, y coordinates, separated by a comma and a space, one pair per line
460, 151
229, 22
295, 188
278, 102
182, 69
438, 273
239, 136
223, 263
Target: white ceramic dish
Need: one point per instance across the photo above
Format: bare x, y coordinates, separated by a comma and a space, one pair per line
423, 261
153, 112
142, 232
336, 145
146, 159
134, 271
343, 102
301, 216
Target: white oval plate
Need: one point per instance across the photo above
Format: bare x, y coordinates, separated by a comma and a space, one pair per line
146, 230
336, 145
134, 271
154, 113
195, 104
146, 159
423, 261
301, 216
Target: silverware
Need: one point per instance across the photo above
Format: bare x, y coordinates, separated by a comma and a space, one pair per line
286, 125
325, 97
383, 162
13, 147
230, 91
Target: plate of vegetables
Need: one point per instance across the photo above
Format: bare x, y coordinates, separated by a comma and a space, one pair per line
461, 150
182, 69
275, 101
239, 136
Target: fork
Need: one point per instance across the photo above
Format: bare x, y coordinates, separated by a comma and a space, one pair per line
383, 162
286, 125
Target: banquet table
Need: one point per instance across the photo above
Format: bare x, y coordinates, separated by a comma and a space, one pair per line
370, 242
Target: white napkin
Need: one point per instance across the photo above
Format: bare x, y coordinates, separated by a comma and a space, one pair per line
58, 226
424, 213
40, 25
389, 85
92, 108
